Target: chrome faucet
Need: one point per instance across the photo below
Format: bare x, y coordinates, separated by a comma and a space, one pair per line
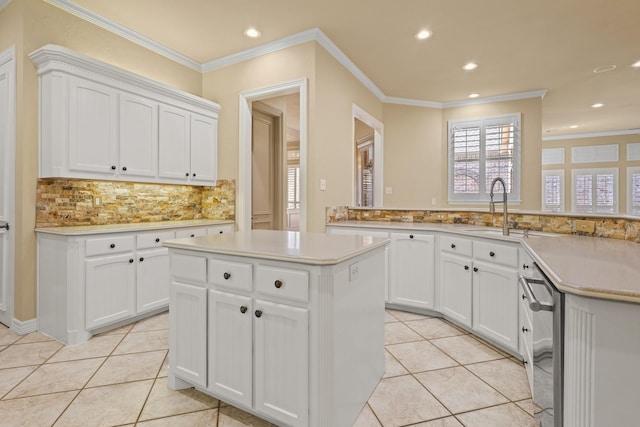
492, 205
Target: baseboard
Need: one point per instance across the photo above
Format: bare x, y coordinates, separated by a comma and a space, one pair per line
24, 327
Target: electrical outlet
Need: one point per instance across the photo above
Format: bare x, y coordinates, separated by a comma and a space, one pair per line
585, 226
440, 216
388, 190
323, 185
96, 201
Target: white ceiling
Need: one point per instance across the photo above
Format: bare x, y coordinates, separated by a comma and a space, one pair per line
520, 45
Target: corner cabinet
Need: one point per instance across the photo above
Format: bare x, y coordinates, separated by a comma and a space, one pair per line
98, 121
412, 270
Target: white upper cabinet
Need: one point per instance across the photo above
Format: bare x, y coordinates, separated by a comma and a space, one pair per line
98, 121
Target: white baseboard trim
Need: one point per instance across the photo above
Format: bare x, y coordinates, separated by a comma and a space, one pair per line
24, 327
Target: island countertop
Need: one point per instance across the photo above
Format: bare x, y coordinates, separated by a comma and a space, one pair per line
291, 246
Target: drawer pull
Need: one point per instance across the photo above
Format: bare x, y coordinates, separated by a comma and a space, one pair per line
226, 276
411, 236
113, 168
112, 246
453, 246
492, 254
221, 231
524, 329
526, 362
141, 259
186, 174
258, 313
524, 297
193, 235
466, 267
131, 261
243, 309
124, 168
475, 269
525, 266
278, 284
157, 240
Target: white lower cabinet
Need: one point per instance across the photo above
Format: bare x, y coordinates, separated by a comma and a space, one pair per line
412, 270
455, 288
152, 279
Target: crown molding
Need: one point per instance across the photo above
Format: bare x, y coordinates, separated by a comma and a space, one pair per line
592, 134
412, 102
107, 24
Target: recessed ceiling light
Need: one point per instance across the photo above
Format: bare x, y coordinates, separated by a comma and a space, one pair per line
252, 32
470, 66
423, 34
474, 95
604, 69
573, 126
636, 64
597, 105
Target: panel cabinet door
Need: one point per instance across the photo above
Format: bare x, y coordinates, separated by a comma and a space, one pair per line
495, 303
455, 288
230, 347
110, 289
204, 148
138, 136
92, 128
281, 352
412, 279
174, 143
152, 279
188, 333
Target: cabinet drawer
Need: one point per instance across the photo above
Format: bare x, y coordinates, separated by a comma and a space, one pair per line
109, 245
233, 275
220, 229
283, 283
191, 232
455, 245
154, 240
496, 253
191, 269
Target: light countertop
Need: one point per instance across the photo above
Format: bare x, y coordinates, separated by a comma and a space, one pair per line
581, 265
290, 246
137, 226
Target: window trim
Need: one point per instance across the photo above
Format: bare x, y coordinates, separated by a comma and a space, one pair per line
483, 196
596, 171
559, 173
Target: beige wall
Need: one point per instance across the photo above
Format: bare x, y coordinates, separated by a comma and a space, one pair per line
622, 164
30, 24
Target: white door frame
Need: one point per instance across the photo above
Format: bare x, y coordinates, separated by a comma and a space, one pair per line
243, 202
378, 154
8, 146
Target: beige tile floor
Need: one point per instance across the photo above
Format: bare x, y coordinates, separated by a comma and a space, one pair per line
436, 376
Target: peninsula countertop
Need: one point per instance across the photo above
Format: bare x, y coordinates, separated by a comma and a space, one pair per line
581, 265
290, 246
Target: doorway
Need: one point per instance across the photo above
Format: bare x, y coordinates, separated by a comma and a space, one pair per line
289, 195
368, 135
7, 190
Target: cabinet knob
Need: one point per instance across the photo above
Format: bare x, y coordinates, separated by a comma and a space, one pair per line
157, 240
411, 236
525, 362
186, 174
112, 246
525, 266
492, 253
193, 235
524, 329
226, 276
131, 261
466, 267
243, 309
124, 168
193, 175
278, 284
141, 259
524, 296
113, 168
453, 246
475, 269
258, 313
221, 231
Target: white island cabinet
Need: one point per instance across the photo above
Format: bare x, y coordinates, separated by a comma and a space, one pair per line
288, 326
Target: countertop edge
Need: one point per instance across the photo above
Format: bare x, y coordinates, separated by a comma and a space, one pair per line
81, 230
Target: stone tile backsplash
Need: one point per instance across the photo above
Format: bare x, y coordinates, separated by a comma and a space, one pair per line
611, 227
71, 202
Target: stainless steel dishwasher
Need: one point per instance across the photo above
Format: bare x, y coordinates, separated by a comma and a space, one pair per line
547, 315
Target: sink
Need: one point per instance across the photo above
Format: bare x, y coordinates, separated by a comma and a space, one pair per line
519, 234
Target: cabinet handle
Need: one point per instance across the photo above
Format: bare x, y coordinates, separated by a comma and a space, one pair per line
186, 174
193, 235
411, 236
492, 253
278, 284
131, 261
453, 246
525, 266
524, 296
124, 168
141, 259
221, 231
113, 168
258, 313
243, 309
112, 246
157, 240
524, 329
226, 276
466, 267
475, 269
525, 362
193, 175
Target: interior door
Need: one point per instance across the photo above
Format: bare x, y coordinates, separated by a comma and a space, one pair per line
7, 161
263, 171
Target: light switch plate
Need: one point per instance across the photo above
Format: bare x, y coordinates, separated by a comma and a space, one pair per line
585, 226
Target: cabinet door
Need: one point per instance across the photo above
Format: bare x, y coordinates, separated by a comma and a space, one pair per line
138, 136
281, 351
152, 279
455, 288
495, 303
174, 143
110, 289
230, 352
204, 148
412, 279
188, 333
92, 128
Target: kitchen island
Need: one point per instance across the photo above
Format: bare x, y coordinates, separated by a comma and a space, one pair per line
288, 326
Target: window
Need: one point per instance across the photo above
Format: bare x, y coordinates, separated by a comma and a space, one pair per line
293, 176
633, 191
480, 151
364, 174
553, 190
595, 190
